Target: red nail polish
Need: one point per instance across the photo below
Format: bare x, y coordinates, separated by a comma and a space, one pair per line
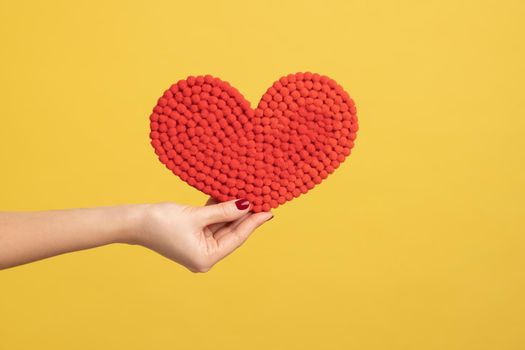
242, 204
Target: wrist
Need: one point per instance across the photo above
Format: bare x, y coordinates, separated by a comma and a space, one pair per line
132, 227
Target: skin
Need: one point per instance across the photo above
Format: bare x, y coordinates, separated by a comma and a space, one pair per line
195, 237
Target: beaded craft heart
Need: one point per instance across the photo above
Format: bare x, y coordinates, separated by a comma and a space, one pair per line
206, 133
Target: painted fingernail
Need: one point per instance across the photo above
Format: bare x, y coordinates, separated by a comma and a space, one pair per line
242, 204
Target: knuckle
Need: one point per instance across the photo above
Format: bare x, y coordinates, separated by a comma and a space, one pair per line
200, 269
190, 211
200, 266
226, 210
203, 269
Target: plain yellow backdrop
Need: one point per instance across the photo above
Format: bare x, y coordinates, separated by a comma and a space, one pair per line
416, 242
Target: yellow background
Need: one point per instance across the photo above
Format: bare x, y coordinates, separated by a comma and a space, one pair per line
417, 242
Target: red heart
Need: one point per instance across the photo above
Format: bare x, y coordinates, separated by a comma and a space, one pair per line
206, 133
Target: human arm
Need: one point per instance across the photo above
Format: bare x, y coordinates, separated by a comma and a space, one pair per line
196, 237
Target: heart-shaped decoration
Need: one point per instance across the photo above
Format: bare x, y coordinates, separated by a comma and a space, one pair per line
206, 133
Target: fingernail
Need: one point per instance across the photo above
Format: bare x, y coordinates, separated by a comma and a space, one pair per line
242, 204
270, 218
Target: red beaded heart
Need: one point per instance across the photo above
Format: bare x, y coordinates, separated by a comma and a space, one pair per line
206, 133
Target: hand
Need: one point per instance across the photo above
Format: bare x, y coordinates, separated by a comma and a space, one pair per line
198, 237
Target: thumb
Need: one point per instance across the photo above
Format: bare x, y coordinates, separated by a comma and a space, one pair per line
223, 212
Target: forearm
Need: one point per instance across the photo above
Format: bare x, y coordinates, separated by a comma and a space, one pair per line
30, 236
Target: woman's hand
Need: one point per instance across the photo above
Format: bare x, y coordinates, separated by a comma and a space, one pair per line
197, 237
